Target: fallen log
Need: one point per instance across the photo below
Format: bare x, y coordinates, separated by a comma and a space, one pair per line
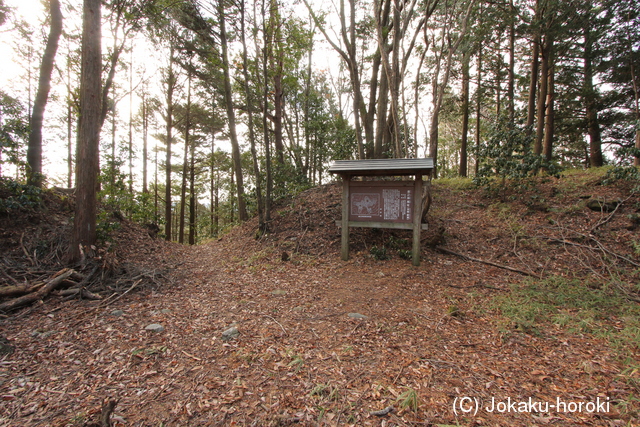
17, 290
79, 292
45, 290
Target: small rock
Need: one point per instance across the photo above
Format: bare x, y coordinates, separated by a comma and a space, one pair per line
155, 327
165, 311
279, 292
230, 334
117, 313
357, 316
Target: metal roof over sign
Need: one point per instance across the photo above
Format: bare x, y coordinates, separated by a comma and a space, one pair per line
383, 167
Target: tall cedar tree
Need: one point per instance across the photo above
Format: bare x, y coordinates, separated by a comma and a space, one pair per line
84, 227
228, 98
34, 150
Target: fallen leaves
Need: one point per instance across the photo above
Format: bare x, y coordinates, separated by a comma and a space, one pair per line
298, 356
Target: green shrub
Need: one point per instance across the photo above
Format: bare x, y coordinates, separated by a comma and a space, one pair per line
379, 253
15, 196
508, 155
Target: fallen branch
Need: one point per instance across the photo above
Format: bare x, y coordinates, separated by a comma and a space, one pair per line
107, 302
600, 246
505, 267
382, 412
479, 285
278, 323
51, 285
5, 274
191, 356
107, 410
608, 218
17, 290
79, 292
295, 251
26, 253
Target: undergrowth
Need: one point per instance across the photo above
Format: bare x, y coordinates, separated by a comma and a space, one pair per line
575, 305
579, 307
15, 196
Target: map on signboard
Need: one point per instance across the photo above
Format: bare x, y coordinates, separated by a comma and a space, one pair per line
381, 203
365, 205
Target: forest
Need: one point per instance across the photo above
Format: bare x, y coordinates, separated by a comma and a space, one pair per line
196, 115
170, 254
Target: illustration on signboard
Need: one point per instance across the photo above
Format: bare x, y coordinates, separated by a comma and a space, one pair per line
365, 204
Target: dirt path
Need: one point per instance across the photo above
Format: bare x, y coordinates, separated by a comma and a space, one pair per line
320, 342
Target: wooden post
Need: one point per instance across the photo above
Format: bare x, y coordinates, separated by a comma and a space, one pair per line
417, 219
345, 217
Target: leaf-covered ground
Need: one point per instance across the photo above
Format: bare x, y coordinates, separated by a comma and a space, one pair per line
322, 342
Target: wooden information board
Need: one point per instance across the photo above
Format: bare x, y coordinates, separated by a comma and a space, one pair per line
380, 201
382, 204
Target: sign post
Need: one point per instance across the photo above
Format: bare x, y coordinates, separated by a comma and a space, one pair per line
346, 180
382, 204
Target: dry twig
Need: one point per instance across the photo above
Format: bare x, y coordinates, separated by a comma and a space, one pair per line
602, 222
278, 323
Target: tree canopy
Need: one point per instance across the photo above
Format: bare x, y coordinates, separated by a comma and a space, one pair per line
209, 111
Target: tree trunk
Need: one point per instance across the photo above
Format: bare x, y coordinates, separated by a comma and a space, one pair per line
265, 122
636, 161
145, 141
193, 202
498, 73
593, 125
350, 58
466, 58
478, 110
214, 185
450, 47
252, 136
131, 122
216, 204
116, 50
156, 212
84, 226
112, 167
228, 98
34, 150
636, 95
307, 114
549, 127
511, 103
542, 98
183, 187
69, 128
171, 83
416, 105
381, 126
533, 85
369, 119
